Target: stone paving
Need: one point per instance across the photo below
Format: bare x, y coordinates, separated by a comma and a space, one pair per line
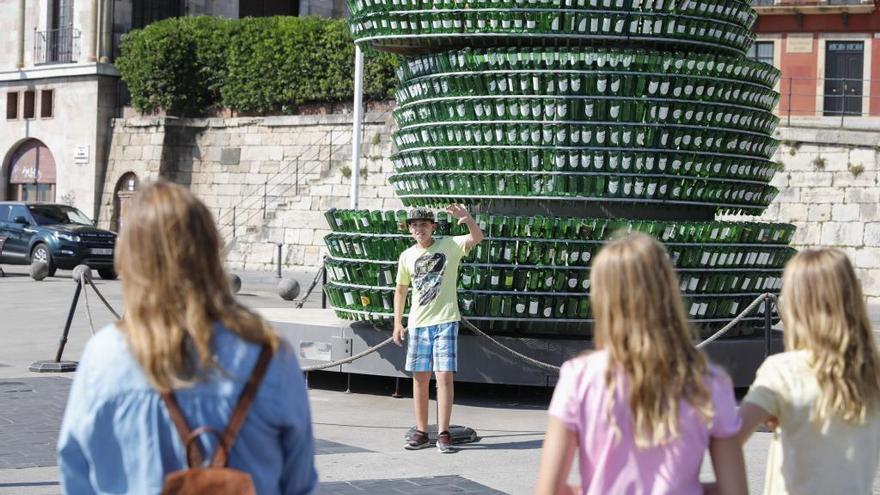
30, 418
434, 485
359, 435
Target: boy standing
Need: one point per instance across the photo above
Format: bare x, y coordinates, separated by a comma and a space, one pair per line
431, 267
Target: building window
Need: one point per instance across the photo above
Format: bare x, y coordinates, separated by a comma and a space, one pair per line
11, 106
762, 3
29, 105
47, 100
762, 51
145, 12
266, 8
32, 173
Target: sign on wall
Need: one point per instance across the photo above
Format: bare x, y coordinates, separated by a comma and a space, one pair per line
81, 155
799, 43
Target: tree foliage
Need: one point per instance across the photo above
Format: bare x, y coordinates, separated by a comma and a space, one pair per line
191, 65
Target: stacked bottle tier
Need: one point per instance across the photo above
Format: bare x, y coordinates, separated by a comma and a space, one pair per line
410, 26
588, 125
531, 274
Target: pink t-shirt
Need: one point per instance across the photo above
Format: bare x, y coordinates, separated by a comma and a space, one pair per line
607, 466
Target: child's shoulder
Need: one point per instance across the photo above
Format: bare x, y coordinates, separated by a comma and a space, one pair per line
590, 363
787, 360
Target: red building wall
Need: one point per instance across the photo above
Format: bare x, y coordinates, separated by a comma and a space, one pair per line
800, 80
797, 84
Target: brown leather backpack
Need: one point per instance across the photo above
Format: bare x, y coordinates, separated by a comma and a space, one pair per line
216, 478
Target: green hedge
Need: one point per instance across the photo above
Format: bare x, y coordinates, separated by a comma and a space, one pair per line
191, 65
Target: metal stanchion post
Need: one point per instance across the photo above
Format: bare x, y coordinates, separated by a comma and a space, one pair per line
58, 365
323, 284
278, 271
265, 188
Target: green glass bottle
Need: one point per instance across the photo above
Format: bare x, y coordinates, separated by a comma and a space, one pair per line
468, 303
495, 278
387, 301
494, 305
482, 305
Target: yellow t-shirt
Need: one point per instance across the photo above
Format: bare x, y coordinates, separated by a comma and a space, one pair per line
807, 457
433, 274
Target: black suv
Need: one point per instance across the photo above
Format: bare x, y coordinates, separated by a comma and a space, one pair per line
60, 235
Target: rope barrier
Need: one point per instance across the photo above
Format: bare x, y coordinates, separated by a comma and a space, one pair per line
535, 362
766, 297
751, 307
299, 304
83, 280
101, 296
350, 358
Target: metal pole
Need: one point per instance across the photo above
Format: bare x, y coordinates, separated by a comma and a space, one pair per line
296, 178
265, 187
69, 321
358, 123
323, 284
278, 273
843, 103
768, 321
233, 222
789, 102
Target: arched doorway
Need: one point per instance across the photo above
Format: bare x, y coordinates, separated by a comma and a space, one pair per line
32, 173
125, 189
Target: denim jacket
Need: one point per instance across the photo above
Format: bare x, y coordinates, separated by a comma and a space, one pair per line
117, 437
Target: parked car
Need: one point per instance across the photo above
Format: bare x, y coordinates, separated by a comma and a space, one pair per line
59, 235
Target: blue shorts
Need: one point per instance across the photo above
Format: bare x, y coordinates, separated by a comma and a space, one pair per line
433, 348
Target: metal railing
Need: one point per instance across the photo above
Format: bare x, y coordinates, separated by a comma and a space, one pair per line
254, 207
806, 3
839, 102
56, 46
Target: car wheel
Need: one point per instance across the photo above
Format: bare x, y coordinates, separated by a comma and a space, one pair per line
41, 253
107, 273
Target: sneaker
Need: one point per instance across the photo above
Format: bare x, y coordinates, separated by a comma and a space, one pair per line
418, 440
444, 442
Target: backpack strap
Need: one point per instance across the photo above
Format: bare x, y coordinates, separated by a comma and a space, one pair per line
194, 457
244, 403
224, 445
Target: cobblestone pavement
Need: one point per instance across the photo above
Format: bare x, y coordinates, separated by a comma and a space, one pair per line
436, 485
30, 418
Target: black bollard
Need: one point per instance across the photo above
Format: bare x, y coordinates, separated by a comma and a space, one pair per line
59, 366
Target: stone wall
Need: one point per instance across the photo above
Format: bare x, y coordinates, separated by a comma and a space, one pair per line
829, 185
829, 189
298, 167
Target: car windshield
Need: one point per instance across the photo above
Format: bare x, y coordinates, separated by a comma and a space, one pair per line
54, 214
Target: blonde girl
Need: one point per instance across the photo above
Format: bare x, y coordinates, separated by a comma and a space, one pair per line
183, 331
641, 410
823, 392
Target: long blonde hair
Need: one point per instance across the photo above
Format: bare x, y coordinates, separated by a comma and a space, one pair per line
823, 311
175, 289
641, 322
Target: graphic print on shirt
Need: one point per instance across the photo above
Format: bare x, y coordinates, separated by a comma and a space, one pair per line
428, 275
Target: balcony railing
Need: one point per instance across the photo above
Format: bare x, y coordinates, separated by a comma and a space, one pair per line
837, 102
56, 46
775, 7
